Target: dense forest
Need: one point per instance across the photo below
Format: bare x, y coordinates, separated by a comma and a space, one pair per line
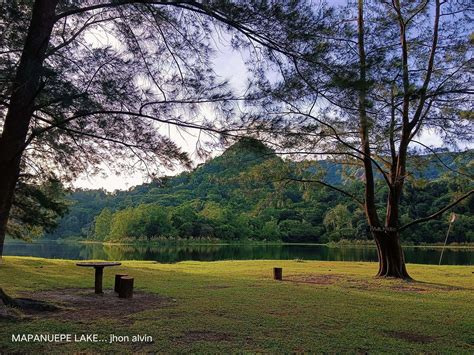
250, 193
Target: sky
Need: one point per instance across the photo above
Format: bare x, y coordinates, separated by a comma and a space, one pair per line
229, 65
125, 181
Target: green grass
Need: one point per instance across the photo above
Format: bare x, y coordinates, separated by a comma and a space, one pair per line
235, 306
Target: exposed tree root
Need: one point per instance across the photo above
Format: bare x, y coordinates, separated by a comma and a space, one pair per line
27, 303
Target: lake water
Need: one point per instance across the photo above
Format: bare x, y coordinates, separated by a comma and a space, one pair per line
170, 253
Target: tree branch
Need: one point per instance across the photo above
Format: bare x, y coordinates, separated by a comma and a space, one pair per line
440, 212
348, 194
77, 33
442, 162
429, 69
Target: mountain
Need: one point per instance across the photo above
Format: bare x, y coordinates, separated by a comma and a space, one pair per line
242, 195
211, 181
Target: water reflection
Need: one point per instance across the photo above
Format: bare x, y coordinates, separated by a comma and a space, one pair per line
170, 253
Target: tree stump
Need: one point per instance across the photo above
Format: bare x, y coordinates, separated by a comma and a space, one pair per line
278, 273
126, 287
117, 281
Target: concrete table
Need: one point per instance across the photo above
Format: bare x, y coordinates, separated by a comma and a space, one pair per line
99, 271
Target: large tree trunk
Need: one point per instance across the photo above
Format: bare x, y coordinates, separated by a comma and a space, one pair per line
391, 258
389, 250
390, 253
21, 105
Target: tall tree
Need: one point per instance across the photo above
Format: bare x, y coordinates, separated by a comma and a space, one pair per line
382, 75
85, 82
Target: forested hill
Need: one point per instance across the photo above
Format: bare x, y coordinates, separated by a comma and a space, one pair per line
243, 194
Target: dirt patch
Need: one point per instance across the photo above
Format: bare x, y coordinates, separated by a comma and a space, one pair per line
358, 284
392, 285
216, 287
9, 313
280, 313
313, 279
411, 337
410, 288
82, 305
202, 335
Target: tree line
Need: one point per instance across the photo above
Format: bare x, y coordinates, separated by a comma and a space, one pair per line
357, 83
227, 199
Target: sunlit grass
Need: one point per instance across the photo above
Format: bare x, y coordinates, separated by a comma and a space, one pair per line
235, 306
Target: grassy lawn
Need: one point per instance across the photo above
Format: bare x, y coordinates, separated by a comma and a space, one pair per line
235, 306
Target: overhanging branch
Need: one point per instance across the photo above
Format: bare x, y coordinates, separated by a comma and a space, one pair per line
439, 213
332, 187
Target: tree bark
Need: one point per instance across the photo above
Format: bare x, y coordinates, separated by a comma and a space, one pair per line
389, 250
370, 207
21, 105
391, 257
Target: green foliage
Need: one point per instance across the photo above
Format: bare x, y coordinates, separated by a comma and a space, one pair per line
36, 208
102, 224
338, 218
299, 231
141, 222
243, 195
270, 231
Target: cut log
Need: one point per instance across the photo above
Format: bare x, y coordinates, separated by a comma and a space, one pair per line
126, 287
278, 273
117, 281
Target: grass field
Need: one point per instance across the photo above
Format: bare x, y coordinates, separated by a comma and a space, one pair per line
235, 306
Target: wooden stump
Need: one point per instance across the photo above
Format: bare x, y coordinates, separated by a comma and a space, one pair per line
126, 287
117, 281
278, 273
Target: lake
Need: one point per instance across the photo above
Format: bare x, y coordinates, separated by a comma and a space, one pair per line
170, 253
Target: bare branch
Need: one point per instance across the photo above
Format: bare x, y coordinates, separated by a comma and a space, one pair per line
442, 162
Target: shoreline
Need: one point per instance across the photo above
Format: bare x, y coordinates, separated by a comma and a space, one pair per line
354, 244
